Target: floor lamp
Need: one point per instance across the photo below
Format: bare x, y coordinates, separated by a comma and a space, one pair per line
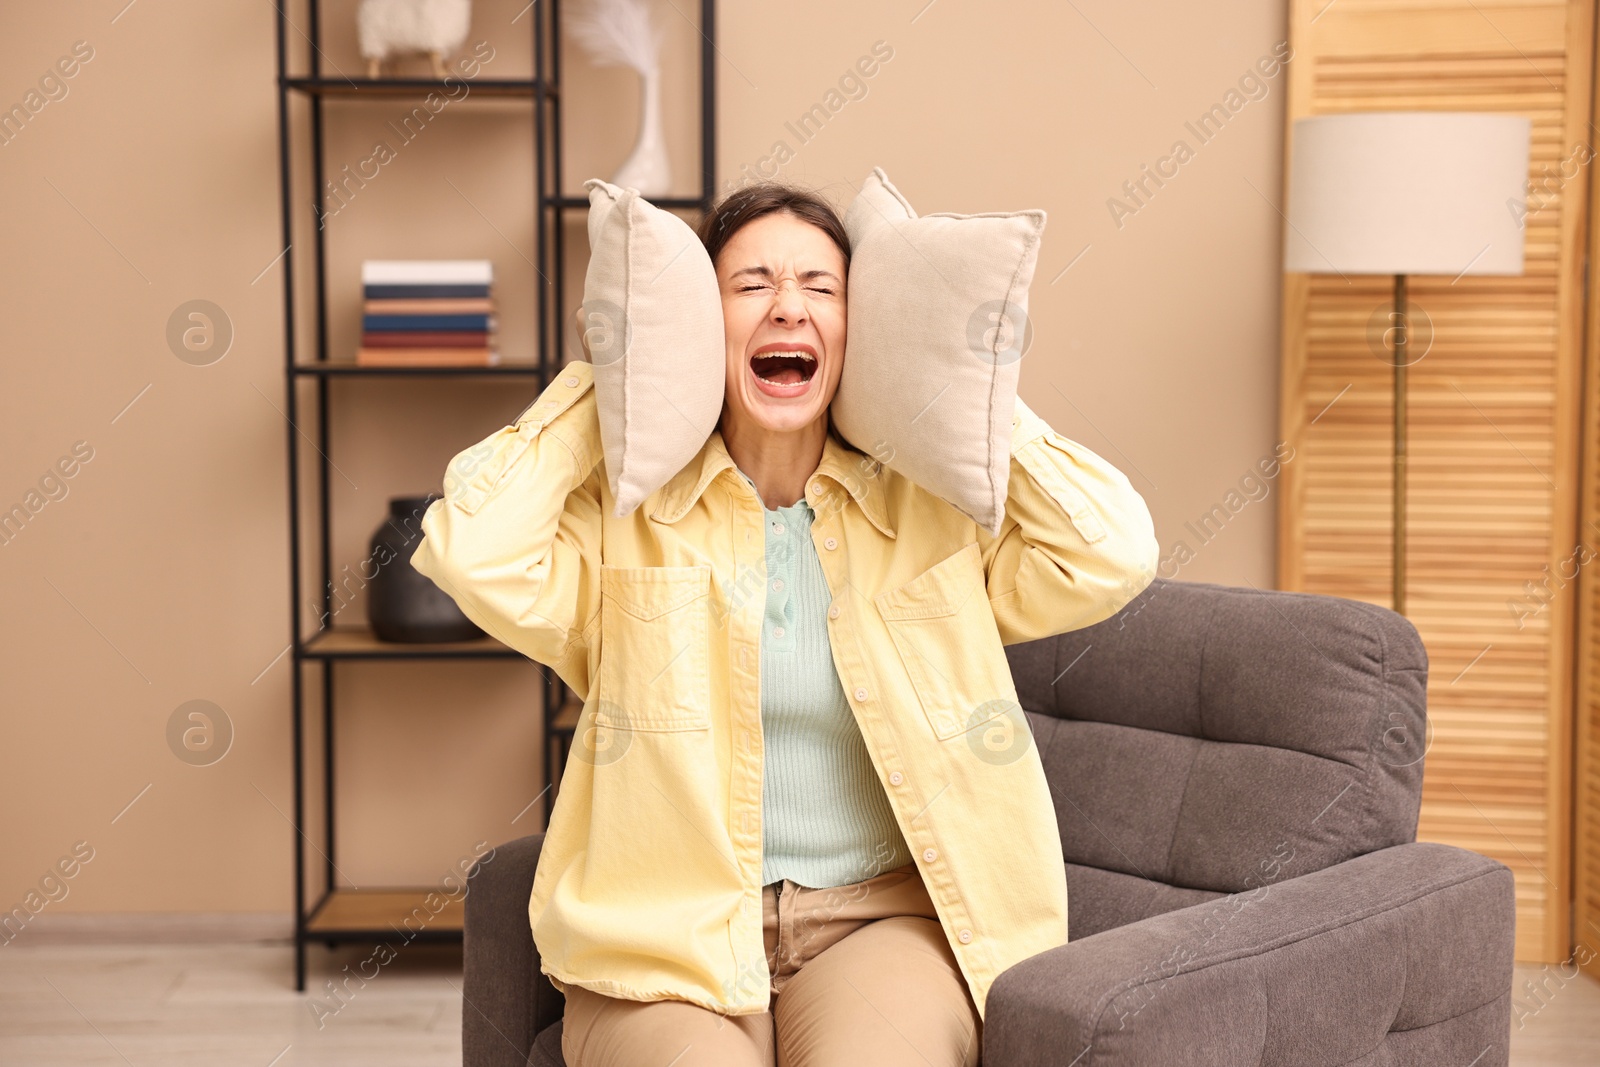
1402, 193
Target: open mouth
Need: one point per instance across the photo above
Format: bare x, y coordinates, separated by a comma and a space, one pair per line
783, 367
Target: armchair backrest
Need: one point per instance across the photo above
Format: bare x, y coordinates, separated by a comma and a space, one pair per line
1218, 738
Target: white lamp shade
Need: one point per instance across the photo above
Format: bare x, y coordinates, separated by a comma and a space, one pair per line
1407, 192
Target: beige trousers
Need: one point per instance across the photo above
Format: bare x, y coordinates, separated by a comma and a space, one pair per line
861, 973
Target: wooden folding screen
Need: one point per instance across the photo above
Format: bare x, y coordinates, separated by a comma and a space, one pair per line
1494, 443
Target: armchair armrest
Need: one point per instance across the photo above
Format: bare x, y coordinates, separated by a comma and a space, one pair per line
506, 1001
1409, 946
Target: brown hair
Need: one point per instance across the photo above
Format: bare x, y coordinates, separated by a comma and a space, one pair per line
748, 203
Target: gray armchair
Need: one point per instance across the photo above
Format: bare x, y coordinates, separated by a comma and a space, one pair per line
1237, 776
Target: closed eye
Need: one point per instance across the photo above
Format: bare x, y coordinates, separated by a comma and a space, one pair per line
824, 290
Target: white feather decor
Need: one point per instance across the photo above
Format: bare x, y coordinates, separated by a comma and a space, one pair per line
624, 33
390, 28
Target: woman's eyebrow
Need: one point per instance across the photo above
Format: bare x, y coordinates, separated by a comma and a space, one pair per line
766, 272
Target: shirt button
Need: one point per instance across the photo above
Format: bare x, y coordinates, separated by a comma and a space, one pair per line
830, 543
930, 854
833, 612
895, 778
965, 936
777, 631
570, 380
777, 527
816, 488
777, 584
861, 692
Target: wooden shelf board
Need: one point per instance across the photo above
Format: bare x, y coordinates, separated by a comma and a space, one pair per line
386, 910
355, 642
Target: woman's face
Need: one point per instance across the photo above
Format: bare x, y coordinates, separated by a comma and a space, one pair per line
783, 311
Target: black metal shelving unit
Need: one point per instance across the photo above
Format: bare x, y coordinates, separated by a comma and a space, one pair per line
341, 914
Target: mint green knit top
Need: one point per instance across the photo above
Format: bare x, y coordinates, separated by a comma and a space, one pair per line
826, 820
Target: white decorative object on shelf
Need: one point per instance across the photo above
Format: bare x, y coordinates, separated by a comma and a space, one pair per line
390, 28
622, 33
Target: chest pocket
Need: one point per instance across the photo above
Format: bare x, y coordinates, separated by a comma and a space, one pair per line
653, 634
946, 635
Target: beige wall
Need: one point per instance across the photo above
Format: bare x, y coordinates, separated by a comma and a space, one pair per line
160, 576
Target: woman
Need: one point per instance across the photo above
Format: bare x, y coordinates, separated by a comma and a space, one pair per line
803, 820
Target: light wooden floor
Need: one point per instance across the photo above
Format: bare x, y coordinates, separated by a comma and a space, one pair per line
233, 1004
181, 1005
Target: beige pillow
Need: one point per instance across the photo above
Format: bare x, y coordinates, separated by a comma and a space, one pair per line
653, 320
937, 309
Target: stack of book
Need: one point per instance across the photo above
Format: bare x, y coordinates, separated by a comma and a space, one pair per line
428, 312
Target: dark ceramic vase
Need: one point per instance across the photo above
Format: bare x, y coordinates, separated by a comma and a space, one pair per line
404, 605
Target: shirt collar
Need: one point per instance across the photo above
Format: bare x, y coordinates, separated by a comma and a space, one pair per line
859, 475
